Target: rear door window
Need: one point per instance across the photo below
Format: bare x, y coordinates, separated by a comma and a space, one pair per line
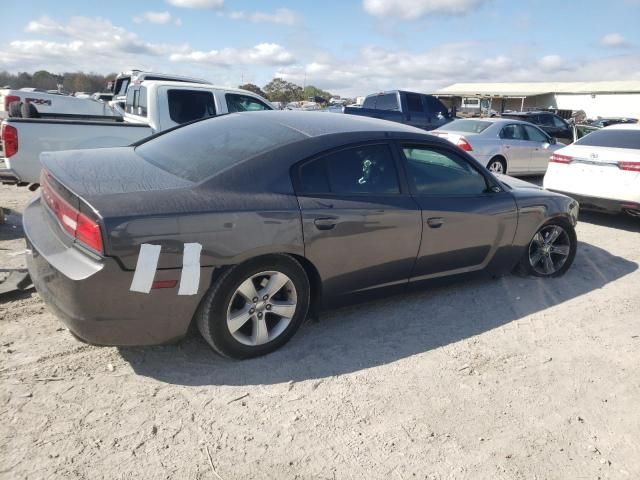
244, 103
388, 101
513, 132
414, 102
367, 169
546, 120
188, 105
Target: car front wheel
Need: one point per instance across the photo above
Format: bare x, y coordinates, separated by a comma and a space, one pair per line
255, 307
551, 250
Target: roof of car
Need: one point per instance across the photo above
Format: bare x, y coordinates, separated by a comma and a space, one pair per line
315, 123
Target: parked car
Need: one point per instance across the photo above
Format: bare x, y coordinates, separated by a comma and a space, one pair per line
605, 122
48, 103
415, 109
601, 170
244, 223
150, 107
502, 145
553, 124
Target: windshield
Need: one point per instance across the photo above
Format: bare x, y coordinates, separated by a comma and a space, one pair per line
467, 126
612, 138
202, 149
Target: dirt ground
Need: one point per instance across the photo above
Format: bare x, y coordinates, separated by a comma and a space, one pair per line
514, 378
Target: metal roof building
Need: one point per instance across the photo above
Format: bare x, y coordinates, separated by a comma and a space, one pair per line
605, 99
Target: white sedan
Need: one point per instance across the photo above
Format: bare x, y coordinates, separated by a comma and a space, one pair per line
503, 145
601, 170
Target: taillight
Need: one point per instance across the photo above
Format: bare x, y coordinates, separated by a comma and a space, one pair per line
632, 166
464, 144
9, 137
9, 99
75, 223
557, 158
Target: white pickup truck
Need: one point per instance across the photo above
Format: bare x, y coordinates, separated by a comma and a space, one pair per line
150, 107
47, 103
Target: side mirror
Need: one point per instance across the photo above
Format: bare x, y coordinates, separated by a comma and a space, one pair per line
553, 140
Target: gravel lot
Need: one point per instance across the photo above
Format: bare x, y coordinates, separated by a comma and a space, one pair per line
514, 378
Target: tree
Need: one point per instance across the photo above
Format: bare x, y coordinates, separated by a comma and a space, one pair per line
279, 90
311, 91
253, 88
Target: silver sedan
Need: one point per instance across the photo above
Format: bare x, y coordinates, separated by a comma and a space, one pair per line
503, 145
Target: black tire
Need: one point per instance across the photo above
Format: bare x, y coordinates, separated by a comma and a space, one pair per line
496, 163
15, 110
525, 266
211, 317
29, 110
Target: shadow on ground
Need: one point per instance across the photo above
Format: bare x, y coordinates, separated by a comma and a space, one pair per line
621, 221
11, 229
377, 333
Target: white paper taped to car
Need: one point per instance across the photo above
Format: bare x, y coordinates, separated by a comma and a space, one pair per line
190, 278
145, 268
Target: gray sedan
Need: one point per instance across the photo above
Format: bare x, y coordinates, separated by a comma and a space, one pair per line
247, 223
502, 145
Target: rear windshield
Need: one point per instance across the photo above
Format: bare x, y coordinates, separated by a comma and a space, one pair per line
467, 126
203, 149
612, 138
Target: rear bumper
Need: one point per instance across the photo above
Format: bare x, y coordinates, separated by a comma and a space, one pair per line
92, 297
601, 204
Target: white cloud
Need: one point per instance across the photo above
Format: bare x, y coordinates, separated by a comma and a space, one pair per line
262, 54
84, 43
552, 62
613, 40
282, 16
413, 9
374, 68
158, 18
206, 4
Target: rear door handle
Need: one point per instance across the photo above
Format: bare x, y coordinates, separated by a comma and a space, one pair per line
325, 223
435, 222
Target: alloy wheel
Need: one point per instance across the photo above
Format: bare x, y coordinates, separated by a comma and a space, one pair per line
549, 250
261, 308
496, 167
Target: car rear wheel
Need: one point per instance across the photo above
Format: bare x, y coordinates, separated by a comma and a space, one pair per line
255, 307
551, 250
15, 110
497, 165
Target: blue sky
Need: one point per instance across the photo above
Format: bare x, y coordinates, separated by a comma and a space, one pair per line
348, 47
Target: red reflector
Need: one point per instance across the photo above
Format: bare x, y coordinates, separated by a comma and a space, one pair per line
464, 144
9, 99
9, 137
632, 166
557, 158
75, 223
164, 284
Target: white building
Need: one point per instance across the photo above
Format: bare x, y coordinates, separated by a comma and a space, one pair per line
597, 99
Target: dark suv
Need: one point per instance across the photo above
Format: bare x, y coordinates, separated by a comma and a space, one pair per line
551, 123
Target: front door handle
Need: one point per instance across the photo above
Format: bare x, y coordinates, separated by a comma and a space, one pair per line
435, 222
325, 223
